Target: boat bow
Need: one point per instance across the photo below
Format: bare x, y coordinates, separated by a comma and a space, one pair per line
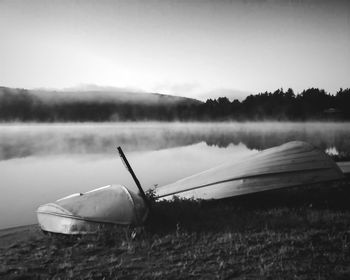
82, 213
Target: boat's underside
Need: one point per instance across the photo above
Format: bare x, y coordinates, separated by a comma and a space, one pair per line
292, 164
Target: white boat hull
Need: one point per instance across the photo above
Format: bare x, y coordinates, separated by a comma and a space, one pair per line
291, 164
84, 213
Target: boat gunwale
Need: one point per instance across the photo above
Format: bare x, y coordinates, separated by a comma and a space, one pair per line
80, 218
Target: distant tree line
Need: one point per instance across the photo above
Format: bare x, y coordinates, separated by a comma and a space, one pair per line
310, 104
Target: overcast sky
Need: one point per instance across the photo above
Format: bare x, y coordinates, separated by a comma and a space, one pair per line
188, 48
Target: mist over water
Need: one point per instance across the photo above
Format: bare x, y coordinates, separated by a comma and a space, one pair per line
23, 140
40, 163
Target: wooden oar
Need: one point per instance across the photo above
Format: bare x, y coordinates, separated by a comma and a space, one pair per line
128, 167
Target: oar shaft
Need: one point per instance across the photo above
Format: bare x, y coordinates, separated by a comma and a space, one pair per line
142, 193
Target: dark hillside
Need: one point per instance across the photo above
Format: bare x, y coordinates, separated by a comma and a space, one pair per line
99, 106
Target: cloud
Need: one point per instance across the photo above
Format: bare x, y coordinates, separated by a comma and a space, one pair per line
198, 91
180, 89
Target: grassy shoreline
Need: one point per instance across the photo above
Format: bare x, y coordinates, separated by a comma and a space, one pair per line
293, 234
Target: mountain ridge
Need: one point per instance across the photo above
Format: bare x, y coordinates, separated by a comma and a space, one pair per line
101, 95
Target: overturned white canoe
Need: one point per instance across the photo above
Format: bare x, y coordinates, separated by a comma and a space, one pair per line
83, 213
291, 164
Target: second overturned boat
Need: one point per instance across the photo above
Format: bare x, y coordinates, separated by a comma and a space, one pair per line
292, 164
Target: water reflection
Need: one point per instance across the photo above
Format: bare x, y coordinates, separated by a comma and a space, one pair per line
18, 141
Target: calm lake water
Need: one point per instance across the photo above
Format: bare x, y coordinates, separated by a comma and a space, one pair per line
40, 163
